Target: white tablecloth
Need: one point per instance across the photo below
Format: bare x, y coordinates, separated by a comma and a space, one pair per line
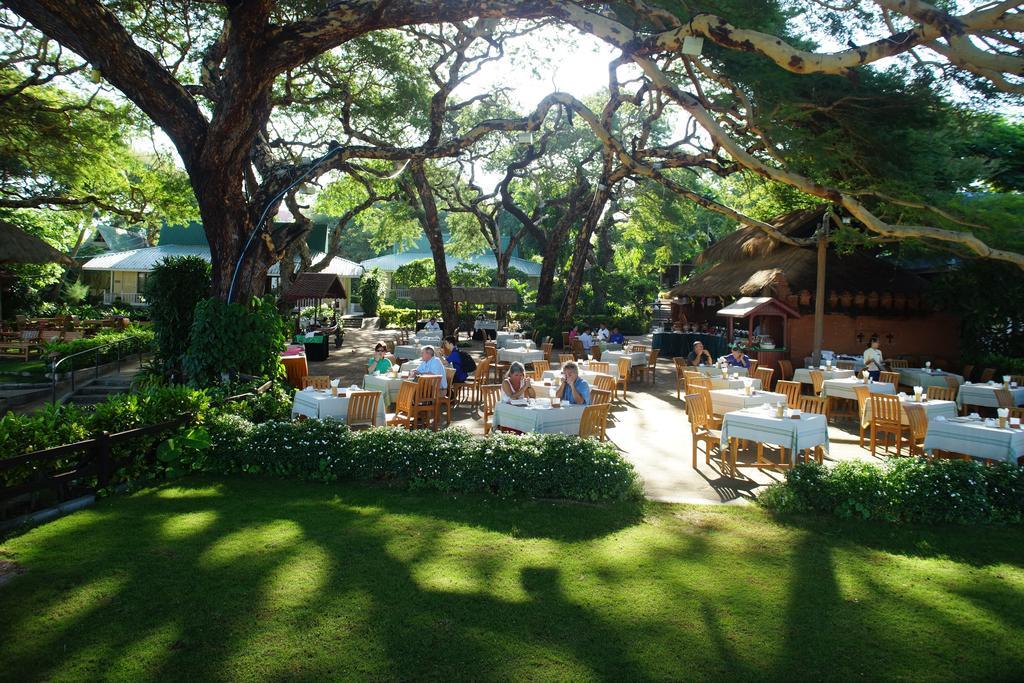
407, 351
637, 358
932, 409
564, 420
387, 385
320, 405
803, 375
554, 375
524, 356
516, 344
485, 324
727, 400
985, 395
613, 368
716, 371
919, 377
843, 388
761, 426
975, 439
608, 346
719, 383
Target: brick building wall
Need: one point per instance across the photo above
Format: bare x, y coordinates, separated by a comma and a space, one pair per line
934, 336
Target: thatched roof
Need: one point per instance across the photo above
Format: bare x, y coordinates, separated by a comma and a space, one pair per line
470, 295
17, 246
748, 262
315, 286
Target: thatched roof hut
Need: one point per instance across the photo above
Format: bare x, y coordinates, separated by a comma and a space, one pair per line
17, 246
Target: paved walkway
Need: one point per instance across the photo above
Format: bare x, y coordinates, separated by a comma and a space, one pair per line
650, 429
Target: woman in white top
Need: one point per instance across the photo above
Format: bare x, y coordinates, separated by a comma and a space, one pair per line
873, 362
516, 384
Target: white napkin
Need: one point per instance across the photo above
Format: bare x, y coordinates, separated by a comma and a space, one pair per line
334, 382
939, 418
354, 387
310, 388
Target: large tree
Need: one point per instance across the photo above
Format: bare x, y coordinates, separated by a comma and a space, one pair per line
206, 73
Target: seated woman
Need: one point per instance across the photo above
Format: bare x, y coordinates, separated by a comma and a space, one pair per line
516, 384
737, 358
572, 388
379, 361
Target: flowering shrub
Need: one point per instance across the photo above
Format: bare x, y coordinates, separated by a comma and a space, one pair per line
542, 465
904, 490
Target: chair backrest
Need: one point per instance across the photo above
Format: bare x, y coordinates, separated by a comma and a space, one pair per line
885, 408
427, 388
765, 375
449, 375
953, 383
967, 372
892, 378
845, 364
638, 348
697, 412
1017, 412
791, 390
785, 369
565, 340
593, 421
406, 397
600, 396
987, 374
862, 392
321, 382
941, 393
604, 382
541, 366
652, 358
564, 358
917, 418
482, 368
362, 408
546, 347
491, 352
489, 395
696, 379
813, 404
595, 352
577, 348
600, 366
680, 365
898, 363
1005, 398
1019, 379
625, 365
817, 381
752, 368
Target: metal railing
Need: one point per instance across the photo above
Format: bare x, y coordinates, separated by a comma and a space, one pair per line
130, 298
114, 345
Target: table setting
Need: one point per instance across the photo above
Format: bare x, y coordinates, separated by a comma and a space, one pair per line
926, 376
999, 439
524, 356
733, 371
317, 404
803, 375
776, 425
933, 408
843, 388
983, 394
542, 415
636, 358
727, 400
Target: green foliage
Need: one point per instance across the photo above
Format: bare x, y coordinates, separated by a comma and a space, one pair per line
141, 339
51, 425
391, 316
418, 273
371, 291
904, 490
452, 460
234, 338
173, 289
990, 325
468, 274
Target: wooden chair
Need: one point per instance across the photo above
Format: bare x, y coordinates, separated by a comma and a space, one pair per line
577, 350
863, 393
791, 390
714, 419
967, 372
940, 394
318, 382
1017, 412
428, 389
445, 398
624, 365
362, 409
953, 383
547, 348
752, 368
600, 396
844, 365
886, 418
1019, 379
540, 367
917, 426
815, 405
680, 366
603, 367
24, 344
404, 402
817, 381
564, 358
490, 394
697, 379
698, 414
595, 352
765, 375
1004, 397
987, 375
638, 348
565, 340
898, 363
605, 383
785, 370
593, 422
892, 378
479, 378
652, 364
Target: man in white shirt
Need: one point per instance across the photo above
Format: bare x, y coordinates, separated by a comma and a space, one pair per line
432, 325
430, 364
587, 341
873, 362
603, 333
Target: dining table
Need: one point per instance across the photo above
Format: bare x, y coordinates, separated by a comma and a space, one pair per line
843, 388
318, 404
983, 394
716, 370
975, 437
803, 375
636, 358
926, 377
524, 356
933, 408
538, 416
727, 400
760, 425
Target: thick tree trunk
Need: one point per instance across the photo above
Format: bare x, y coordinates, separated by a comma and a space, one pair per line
604, 255
432, 227
574, 279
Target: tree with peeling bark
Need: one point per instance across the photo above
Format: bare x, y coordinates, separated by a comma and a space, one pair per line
206, 74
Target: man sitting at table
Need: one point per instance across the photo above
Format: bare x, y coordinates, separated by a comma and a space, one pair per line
451, 352
699, 355
432, 325
572, 388
430, 364
603, 333
517, 384
737, 358
617, 337
379, 361
586, 340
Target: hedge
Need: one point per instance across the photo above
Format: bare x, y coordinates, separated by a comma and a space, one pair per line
451, 460
904, 490
143, 342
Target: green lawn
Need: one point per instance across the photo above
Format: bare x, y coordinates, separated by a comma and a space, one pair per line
271, 580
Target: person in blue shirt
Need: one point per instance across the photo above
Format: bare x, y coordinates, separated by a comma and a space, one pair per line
617, 337
737, 358
573, 388
431, 365
451, 354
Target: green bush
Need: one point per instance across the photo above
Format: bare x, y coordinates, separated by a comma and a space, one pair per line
371, 291
904, 490
143, 341
235, 338
173, 289
396, 317
452, 460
